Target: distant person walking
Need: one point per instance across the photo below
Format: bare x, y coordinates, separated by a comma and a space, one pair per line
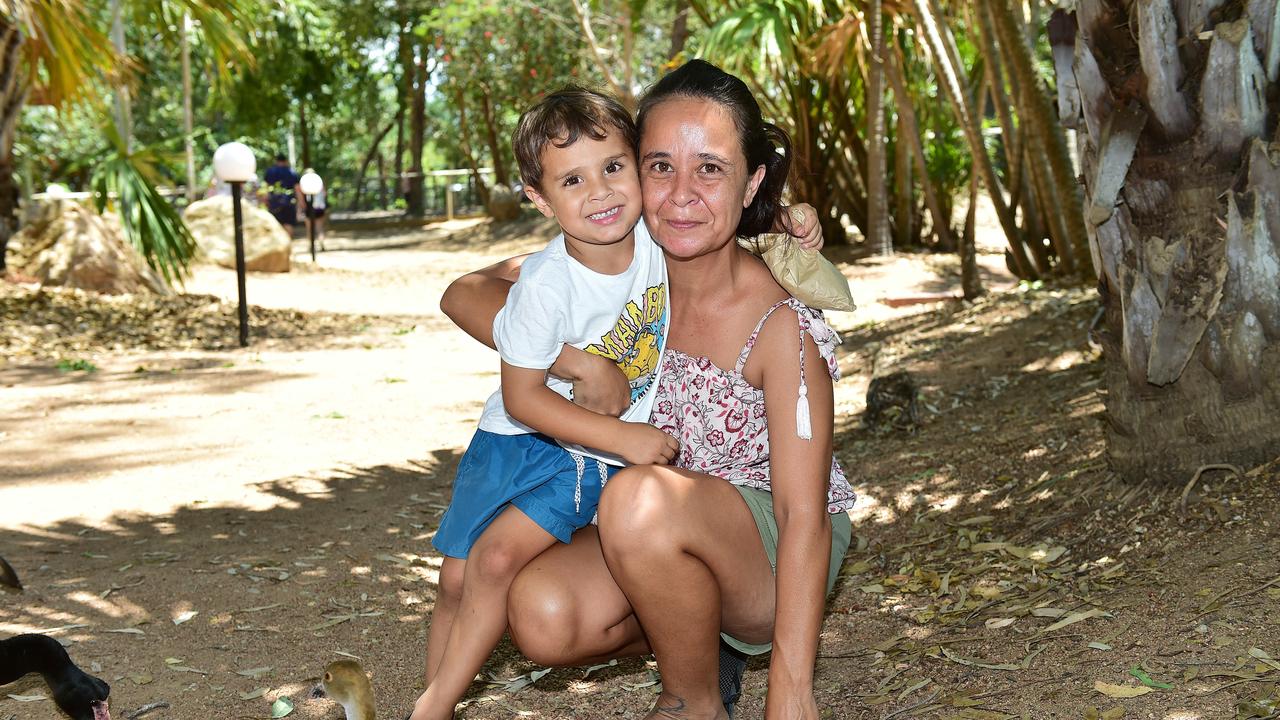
283, 194
315, 214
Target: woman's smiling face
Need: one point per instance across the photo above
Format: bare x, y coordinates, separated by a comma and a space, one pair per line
694, 176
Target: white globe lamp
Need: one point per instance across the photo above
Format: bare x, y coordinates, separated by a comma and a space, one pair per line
233, 162
311, 184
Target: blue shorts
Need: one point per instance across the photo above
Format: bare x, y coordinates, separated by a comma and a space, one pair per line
529, 472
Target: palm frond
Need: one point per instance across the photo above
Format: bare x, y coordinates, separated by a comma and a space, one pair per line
62, 39
125, 180
225, 26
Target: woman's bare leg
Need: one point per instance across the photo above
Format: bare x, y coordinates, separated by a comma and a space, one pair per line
565, 609
685, 550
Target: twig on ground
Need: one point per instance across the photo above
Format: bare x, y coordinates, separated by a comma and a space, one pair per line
1210, 606
1233, 683
922, 703
1182, 501
149, 707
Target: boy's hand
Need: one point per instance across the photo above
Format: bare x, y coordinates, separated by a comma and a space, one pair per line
801, 222
643, 444
599, 385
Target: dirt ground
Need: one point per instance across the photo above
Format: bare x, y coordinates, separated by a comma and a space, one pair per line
207, 526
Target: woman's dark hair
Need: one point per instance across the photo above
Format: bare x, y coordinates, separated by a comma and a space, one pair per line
762, 143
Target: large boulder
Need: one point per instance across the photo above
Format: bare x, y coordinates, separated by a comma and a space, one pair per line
64, 243
212, 223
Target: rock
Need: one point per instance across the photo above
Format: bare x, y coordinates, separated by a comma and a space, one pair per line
504, 205
212, 223
892, 402
64, 243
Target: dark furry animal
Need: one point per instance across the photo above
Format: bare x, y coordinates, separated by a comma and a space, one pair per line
892, 402
78, 694
9, 578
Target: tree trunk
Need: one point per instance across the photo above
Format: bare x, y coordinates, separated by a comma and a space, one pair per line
904, 214
382, 180
495, 148
911, 134
305, 131
878, 238
368, 158
464, 135
679, 30
13, 94
406, 93
417, 134
952, 78
188, 119
1192, 302
124, 110
970, 280
1046, 142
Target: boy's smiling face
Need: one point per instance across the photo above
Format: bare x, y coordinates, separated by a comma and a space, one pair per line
591, 188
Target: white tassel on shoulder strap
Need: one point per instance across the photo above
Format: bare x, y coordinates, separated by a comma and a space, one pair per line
803, 427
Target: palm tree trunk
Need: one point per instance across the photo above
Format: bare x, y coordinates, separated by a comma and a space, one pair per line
904, 214
911, 134
1062, 200
124, 111
878, 237
1184, 229
953, 81
13, 94
970, 280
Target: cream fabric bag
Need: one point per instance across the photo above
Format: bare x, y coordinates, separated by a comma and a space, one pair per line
806, 274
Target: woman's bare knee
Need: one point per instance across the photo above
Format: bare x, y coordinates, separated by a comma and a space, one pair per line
543, 620
637, 499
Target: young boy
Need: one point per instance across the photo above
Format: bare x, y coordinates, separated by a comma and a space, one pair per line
535, 468
601, 286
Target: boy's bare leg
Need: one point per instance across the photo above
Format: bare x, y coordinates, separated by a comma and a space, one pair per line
506, 546
448, 595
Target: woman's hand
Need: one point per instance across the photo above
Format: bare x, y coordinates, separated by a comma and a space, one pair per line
783, 705
801, 222
598, 384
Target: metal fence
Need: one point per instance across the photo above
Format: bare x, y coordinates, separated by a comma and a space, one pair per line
445, 193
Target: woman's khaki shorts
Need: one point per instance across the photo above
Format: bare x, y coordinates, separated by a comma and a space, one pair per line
761, 504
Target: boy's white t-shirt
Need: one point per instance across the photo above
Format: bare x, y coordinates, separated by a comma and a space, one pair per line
558, 300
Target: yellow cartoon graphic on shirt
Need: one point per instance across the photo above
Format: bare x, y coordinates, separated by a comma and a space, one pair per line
635, 342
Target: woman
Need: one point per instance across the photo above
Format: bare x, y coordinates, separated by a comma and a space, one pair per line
680, 556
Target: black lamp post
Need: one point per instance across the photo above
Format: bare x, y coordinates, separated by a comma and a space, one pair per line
234, 164
311, 185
